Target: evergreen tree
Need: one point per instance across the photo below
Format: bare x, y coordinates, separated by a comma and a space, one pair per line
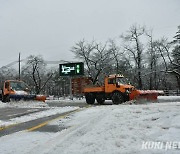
176, 56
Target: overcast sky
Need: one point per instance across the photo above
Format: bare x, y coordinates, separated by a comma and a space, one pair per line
51, 27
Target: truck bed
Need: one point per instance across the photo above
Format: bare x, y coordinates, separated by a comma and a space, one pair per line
94, 89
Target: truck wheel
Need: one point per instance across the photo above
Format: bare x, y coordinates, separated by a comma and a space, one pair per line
117, 98
100, 99
5, 98
90, 98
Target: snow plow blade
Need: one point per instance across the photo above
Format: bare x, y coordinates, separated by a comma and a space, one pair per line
17, 97
40, 98
145, 94
27, 97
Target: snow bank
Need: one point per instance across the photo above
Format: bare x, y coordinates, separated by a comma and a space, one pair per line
24, 104
37, 104
168, 98
67, 100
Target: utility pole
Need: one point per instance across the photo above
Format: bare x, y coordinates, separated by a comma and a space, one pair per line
19, 66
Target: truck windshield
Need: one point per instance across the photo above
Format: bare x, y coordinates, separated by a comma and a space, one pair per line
17, 85
122, 81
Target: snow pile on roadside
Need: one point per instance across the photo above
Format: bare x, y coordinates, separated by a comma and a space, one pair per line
28, 104
24, 104
38, 104
67, 100
168, 98
161, 99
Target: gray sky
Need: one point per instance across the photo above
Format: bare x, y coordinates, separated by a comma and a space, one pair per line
51, 27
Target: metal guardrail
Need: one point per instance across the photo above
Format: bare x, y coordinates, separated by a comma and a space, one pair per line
171, 92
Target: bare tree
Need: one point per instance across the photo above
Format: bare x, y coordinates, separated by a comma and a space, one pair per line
169, 60
98, 58
153, 67
163, 47
134, 46
35, 73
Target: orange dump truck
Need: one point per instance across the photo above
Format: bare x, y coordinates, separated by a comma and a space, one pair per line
17, 90
117, 89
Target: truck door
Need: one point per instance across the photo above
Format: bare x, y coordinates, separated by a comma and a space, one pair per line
6, 88
110, 85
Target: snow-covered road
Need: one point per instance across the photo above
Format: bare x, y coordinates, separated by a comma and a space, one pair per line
109, 129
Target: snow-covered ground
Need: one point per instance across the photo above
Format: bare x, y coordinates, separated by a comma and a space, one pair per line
107, 129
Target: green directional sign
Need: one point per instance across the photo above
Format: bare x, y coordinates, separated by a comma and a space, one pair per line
71, 69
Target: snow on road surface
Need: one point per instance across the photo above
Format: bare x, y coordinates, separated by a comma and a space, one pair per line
37, 115
33, 116
107, 129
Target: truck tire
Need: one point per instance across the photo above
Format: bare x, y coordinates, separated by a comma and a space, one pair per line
90, 98
5, 98
117, 98
100, 98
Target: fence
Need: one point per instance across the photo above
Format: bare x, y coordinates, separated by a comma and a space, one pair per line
172, 92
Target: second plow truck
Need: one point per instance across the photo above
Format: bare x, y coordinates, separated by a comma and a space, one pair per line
117, 89
17, 90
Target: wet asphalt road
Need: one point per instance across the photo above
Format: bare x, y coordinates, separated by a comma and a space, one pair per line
41, 124
8, 113
11, 112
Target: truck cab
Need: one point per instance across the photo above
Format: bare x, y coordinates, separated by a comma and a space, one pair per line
117, 83
14, 89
